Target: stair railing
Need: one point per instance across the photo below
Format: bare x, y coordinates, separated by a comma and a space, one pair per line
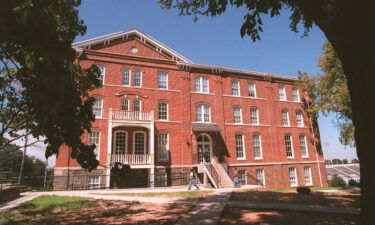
215, 176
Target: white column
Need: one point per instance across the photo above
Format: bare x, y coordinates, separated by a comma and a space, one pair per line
109, 148
151, 144
152, 176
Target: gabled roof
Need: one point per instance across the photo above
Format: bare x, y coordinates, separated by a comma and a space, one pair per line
106, 39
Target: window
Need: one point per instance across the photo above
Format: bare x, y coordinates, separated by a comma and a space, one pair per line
163, 80
137, 78
307, 173
257, 147
97, 107
126, 77
285, 117
102, 72
282, 95
251, 90
162, 111
136, 105
254, 116
295, 94
125, 104
235, 88
201, 85
237, 115
289, 146
299, 119
293, 177
94, 181
240, 147
120, 142
163, 146
203, 113
242, 178
94, 139
260, 177
302, 142
139, 142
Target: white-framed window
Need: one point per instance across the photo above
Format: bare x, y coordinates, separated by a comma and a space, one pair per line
163, 146
203, 113
94, 139
202, 85
162, 111
282, 95
295, 92
97, 107
126, 77
240, 146
102, 73
235, 88
237, 115
242, 177
254, 116
289, 146
94, 181
251, 90
139, 142
299, 119
257, 144
163, 80
302, 142
137, 78
137, 105
285, 117
125, 104
307, 173
259, 173
120, 142
293, 177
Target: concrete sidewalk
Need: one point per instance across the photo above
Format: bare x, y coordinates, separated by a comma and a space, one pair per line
25, 197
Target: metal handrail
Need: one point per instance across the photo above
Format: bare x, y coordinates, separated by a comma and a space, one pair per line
214, 174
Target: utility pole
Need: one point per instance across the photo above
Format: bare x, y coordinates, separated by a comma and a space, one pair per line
23, 157
45, 175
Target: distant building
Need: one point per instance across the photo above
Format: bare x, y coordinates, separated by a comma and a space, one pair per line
346, 171
163, 114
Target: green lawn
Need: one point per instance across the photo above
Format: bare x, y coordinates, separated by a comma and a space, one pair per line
58, 202
180, 194
312, 188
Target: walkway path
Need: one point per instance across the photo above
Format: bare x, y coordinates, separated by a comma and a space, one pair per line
25, 197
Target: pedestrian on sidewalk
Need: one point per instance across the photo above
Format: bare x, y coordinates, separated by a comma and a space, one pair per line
235, 180
192, 180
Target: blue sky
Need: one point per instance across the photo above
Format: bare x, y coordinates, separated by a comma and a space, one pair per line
217, 41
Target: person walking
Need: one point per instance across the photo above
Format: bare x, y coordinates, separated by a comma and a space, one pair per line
235, 180
192, 180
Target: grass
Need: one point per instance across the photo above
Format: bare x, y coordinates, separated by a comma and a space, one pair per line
57, 202
312, 188
179, 194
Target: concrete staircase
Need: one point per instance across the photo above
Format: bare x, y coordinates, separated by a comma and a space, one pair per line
226, 181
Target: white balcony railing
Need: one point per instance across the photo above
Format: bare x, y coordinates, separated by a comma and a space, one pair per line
131, 115
132, 159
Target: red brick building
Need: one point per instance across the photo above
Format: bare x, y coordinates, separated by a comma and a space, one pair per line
163, 114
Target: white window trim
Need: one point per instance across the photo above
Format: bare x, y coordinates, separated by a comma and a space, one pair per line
310, 175
205, 142
307, 150
130, 78
234, 121
238, 87
122, 104
200, 78
141, 73
298, 97
167, 112
243, 148
260, 147
255, 89
168, 150
202, 110
291, 146
302, 123
101, 108
257, 112
263, 176
287, 118
244, 174
90, 184
284, 93
97, 146
140, 105
296, 177
126, 140
144, 144
166, 81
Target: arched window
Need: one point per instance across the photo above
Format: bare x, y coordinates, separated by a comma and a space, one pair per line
125, 104
204, 145
137, 78
120, 142
137, 105
203, 113
126, 77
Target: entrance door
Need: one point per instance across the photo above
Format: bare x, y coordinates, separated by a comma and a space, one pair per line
204, 148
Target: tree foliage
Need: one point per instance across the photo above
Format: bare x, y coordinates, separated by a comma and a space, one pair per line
330, 93
40, 86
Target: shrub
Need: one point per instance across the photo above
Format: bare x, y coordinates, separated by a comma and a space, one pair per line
337, 181
353, 183
303, 190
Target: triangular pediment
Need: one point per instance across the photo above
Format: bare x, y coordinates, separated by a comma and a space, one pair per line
131, 43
